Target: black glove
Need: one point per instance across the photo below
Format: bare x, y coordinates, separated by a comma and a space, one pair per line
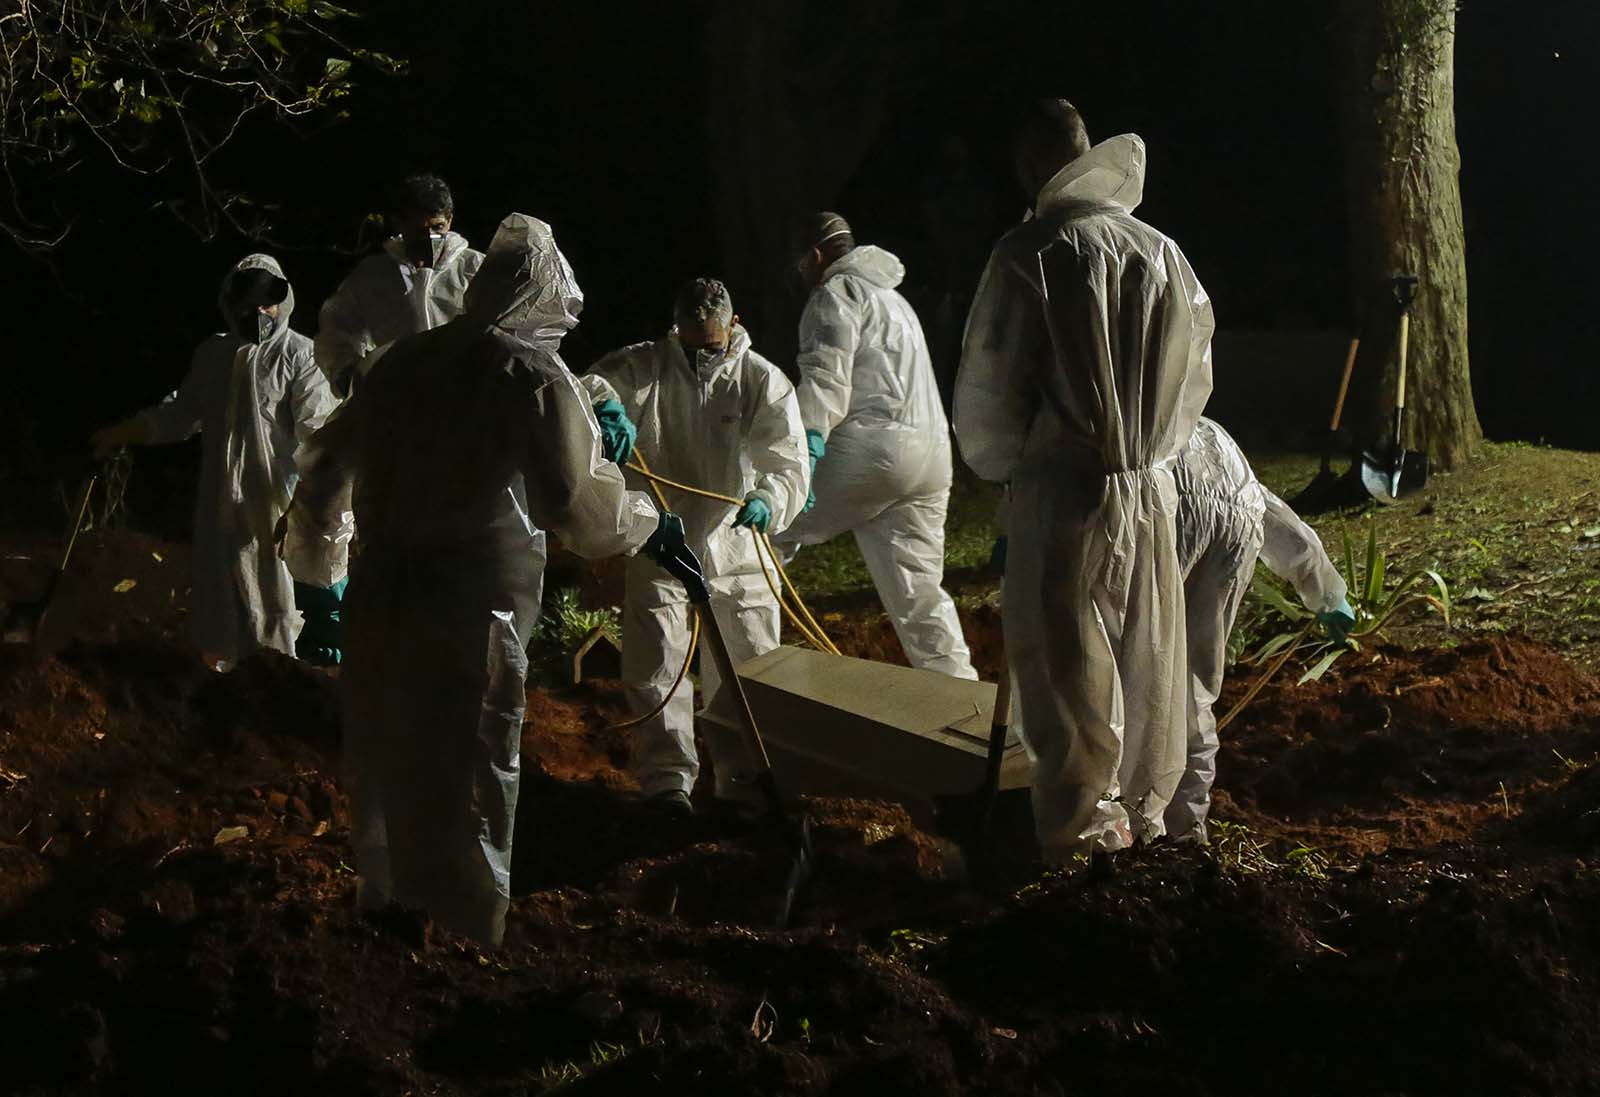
668, 539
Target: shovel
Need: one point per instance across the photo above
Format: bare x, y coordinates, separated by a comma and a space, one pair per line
24, 622
1328, 489
686, 569
1391, 476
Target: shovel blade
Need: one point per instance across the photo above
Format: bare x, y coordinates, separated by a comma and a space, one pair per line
1392, 477
799, 871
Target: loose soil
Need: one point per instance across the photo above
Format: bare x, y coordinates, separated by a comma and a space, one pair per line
1402, 899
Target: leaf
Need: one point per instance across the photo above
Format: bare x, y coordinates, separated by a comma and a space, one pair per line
1476, 594
1275, 598
1444, 594
271, 38
1591, 533
336, 68
1350, 578
1275, 645
1374, 562
1320, 667
323, 10
125, 586
230, 834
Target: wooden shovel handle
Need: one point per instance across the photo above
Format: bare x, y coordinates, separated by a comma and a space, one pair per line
1344, 383
1400, 387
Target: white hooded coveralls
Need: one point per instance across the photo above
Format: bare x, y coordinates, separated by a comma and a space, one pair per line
733, 427
253, 403
867, 386
387, 297
1226, 519
1085, 366
470, 438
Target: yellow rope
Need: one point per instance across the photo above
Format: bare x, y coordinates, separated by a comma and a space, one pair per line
688, 656
808, 627
817, 638
683, 672
788, 584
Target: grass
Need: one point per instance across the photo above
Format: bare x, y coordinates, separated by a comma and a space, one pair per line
1516, 535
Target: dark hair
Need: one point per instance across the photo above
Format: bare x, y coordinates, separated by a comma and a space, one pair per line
703, 300
1054, 124
827, 231
424, 193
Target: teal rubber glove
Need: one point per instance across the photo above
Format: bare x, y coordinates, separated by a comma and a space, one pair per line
755, 513
320, 642
617, 432
1338, 621
817, 447
667, 541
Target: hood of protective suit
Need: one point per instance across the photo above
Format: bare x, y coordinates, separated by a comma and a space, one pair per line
525, 286
871, 263
273, 326
1110, 174
450, 249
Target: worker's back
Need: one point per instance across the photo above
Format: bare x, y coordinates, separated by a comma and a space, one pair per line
444, 431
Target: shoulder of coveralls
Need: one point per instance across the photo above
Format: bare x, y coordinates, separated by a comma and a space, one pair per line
763, 372
846, 286
631, 354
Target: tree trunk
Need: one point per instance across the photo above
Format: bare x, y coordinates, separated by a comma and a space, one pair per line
1403, 170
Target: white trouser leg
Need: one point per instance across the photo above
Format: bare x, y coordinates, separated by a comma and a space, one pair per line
1213, 593
904, 550
655, 640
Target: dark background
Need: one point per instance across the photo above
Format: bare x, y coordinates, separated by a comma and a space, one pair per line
591, 117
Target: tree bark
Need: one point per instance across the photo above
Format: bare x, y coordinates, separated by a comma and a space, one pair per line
1403, 180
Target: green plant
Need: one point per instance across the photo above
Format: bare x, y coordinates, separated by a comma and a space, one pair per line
1373, 598
566, 623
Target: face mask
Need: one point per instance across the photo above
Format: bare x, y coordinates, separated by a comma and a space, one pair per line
253, 325
426, 252
703, 357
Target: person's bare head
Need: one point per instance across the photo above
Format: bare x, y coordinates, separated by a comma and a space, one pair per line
1049, 135
821, 239
421, 207
704, 314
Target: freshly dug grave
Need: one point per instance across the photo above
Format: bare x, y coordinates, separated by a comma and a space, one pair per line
141, 956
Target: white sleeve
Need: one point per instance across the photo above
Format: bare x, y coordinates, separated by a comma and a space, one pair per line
1293, 552
343, 338
830, 329
996, 391
573, 491
777, 446
179, 416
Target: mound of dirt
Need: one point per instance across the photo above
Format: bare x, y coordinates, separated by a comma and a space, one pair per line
114, 755
1407, 748
141, 955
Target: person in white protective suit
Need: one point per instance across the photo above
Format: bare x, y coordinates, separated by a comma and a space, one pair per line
416, 282
709, 412
1085, 366
254, 394
471, 438
1226, 520
878, 437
